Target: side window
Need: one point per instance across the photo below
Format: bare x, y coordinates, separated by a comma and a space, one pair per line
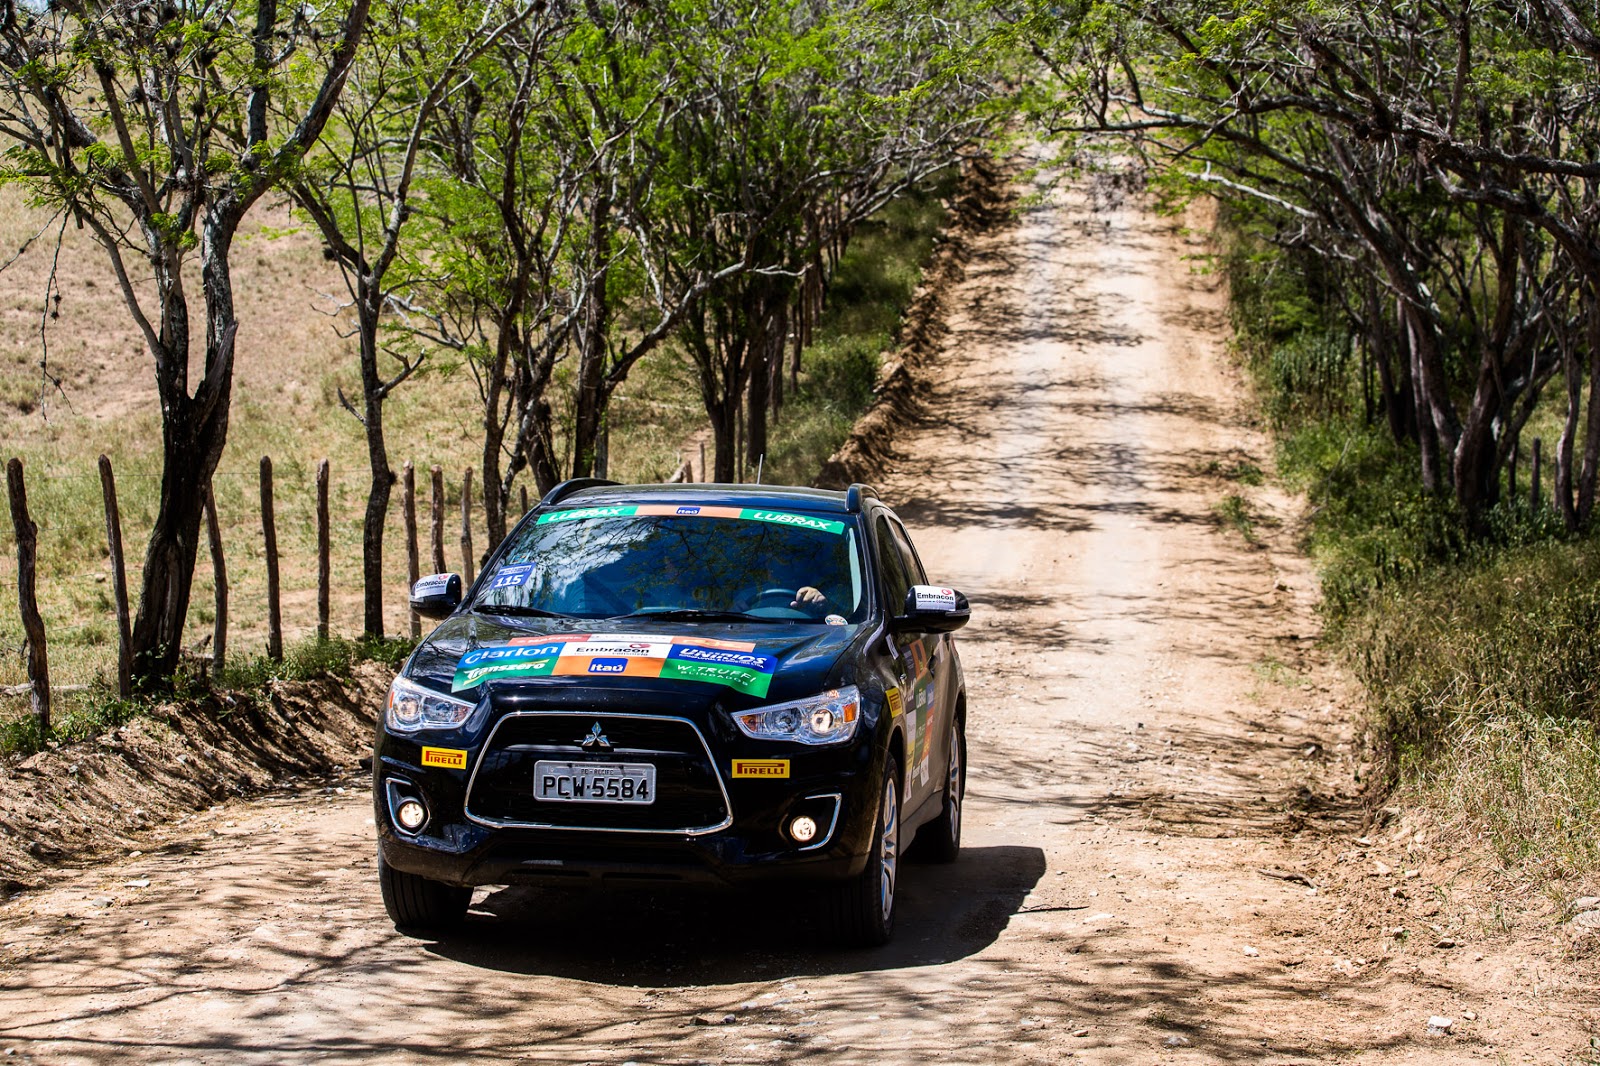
890, 568
908, 554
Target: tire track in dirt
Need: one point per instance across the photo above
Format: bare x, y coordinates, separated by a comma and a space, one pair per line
1143, 721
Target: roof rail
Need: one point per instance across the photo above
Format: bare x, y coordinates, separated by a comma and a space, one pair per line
568, 487
852, 498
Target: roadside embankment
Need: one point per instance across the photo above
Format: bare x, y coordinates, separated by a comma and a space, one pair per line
73, 803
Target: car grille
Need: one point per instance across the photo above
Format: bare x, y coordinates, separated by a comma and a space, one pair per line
690, 797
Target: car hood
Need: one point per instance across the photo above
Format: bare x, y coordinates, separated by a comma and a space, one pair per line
563, 659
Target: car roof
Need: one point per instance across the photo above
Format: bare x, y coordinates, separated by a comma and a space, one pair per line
782, 497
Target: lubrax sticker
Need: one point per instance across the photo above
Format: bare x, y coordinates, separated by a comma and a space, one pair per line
673, 510
449, 758
774, 768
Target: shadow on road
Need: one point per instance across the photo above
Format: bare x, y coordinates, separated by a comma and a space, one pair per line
684, 938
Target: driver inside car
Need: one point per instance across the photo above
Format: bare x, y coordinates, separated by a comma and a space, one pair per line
809, 598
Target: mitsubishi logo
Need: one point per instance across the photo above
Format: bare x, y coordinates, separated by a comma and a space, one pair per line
596, 740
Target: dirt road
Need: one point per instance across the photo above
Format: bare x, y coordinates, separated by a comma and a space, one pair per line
1148, 737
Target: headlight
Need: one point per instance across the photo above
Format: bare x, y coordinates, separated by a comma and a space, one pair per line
826, 719
412, 707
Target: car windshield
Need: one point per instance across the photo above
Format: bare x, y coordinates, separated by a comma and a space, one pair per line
682, 561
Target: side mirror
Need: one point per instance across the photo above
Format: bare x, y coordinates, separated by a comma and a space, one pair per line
436, 596
932, 609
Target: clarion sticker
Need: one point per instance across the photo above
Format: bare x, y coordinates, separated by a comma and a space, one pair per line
761, 768
449, 758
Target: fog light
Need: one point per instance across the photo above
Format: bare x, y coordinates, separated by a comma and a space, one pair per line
411, 814
803, 828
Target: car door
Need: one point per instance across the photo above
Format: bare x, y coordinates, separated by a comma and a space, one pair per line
913, 692
930, 653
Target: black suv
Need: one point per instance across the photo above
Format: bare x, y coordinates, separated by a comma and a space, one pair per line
678, 683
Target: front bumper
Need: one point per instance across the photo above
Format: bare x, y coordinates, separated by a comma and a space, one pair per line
736, 837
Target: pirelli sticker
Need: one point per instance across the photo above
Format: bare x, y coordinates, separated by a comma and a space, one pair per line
449, 758
897, 703
773, 768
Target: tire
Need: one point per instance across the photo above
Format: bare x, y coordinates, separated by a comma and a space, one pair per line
418, 905
940, 839
862, 913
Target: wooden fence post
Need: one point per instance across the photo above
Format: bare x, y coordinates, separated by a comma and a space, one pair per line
219, 573
269, 533
408, 501
466, 527
1516, 446
524, 490
32, 624
119, 580
323, 563
703, 476
1533, 477
437, 503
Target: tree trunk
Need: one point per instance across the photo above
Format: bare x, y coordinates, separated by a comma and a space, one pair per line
1427, 435
592, 394
1591, 436
381, 479
193, 432
755, 435
494, 431
1572, 377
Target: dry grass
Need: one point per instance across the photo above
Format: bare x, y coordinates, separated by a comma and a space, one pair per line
1484, 680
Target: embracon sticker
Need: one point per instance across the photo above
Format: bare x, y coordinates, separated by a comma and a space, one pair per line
934, 598
431, 585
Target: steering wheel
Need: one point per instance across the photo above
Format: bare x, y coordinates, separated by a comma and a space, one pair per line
766, 597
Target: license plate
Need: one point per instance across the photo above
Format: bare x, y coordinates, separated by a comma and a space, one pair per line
588, 782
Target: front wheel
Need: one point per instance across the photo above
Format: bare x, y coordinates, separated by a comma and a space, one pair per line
863, 907
418, 905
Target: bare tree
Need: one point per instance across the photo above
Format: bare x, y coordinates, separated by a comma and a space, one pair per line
156, 127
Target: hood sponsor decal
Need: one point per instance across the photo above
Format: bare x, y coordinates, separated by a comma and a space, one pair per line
690, 510
734, 663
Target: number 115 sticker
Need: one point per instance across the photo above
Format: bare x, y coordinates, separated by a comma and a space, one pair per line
510, 577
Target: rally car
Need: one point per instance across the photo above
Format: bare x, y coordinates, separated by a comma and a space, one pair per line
648, 684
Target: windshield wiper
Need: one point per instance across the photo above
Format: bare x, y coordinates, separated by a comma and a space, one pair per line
516, 609
695, 614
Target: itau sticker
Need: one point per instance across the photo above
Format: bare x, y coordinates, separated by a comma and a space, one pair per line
733, 663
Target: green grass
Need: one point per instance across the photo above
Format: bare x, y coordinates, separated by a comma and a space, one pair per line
1233, 512
84, 715
1483, 680
1479, 657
